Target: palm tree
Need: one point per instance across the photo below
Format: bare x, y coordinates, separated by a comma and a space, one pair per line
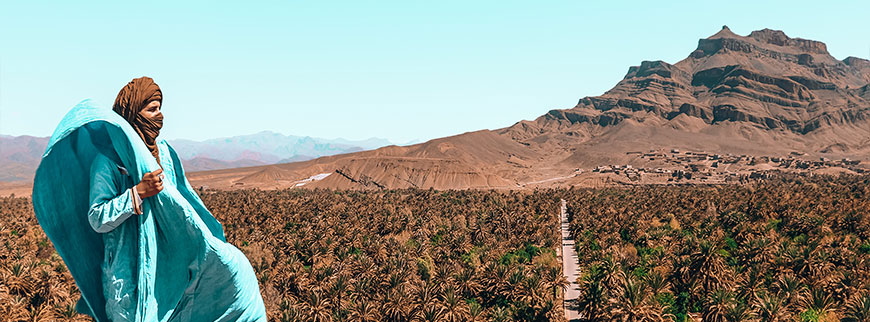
770, 308
397, 306
496, 283
858, 310
656, 283
750, 283
290, 312
532, 290
15, 279
16, 308
318, 307
42, 312
426, 294
790, 289
709, 267
592, 300
466, 281
738, 312
847, 285
454, 308
337, 289
363, 311
717, 306
432, 313
500, 314
632, 304
475, 311
515, 284
819, 302
613, 277
557, 280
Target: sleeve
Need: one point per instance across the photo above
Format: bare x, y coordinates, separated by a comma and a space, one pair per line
109, 204
137, 201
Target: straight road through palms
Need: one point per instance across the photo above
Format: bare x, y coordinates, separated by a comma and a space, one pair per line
569, 268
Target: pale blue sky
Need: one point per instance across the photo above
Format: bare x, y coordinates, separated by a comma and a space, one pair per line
399, 70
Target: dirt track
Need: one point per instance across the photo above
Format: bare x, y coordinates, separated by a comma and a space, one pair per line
569, 267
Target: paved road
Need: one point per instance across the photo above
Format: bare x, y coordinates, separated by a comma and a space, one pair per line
569, 267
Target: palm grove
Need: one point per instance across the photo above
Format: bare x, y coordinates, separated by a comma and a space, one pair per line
791, 248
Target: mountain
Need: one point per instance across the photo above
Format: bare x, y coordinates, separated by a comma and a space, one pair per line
760, 94
750, 103
265, 148
20, 155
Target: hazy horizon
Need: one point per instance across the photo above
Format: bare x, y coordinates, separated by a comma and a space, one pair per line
413, 141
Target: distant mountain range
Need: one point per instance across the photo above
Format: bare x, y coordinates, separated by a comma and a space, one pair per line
265, 148
766, 94
20, 155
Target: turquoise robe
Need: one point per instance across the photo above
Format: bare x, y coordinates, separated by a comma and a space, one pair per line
172, 263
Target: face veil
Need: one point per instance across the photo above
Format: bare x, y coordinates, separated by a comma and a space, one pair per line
130, 102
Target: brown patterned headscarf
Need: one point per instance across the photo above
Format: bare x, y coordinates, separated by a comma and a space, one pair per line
130, 102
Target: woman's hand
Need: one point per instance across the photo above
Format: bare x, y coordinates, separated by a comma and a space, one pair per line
151, 184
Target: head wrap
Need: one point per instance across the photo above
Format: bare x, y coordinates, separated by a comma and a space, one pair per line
131, 100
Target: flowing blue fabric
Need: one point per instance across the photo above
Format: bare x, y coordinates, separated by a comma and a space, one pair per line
180, 266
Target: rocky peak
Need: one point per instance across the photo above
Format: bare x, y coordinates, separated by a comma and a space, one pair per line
766, 80
779, 38
770, 36
766, 88
856, 62
648, 68
724, 33
767, 42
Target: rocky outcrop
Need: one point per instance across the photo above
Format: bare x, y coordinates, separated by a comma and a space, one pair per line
856, 62
778, 38
766, 80
813, 84
657, 67
755, 43
862, 66
693, 111
864, 92
740, 80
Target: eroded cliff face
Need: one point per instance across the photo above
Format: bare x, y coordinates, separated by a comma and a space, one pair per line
789, 88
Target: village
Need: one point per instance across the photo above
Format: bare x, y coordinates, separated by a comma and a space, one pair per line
713, 168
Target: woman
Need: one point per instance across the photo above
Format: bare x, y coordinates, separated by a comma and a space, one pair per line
148, 249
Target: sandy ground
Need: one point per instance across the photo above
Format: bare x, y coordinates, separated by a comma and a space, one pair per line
18, 189
569, 267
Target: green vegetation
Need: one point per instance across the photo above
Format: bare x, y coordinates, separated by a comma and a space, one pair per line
790, 248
